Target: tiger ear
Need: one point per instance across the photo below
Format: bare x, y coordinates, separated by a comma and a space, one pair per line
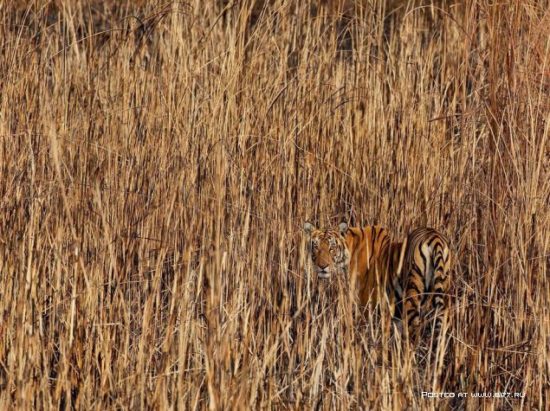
308, 227
343, 227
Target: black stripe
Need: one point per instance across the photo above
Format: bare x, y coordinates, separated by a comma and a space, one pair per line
413, 286
434, 238
439, 245
439, 280
415, 267
424, 298
439, 304
399, 308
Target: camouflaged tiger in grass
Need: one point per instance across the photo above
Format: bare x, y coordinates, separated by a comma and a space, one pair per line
414, 273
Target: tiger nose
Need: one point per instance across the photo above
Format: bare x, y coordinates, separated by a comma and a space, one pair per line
323, 266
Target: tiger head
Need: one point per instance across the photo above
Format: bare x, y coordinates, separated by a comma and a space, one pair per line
328, 249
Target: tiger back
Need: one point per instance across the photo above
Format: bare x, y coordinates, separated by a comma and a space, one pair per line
421, 280
369, 262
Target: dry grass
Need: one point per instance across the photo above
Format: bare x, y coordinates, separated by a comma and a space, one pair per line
158, 160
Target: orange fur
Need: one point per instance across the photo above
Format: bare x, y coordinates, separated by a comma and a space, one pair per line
360, 252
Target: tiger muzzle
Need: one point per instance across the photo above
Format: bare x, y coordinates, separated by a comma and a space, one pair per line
323, 273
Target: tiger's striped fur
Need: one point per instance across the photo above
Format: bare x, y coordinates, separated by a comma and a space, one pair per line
359, 252
421, 280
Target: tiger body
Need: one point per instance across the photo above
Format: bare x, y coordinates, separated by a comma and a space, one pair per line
414, 273
421, 280
360, 252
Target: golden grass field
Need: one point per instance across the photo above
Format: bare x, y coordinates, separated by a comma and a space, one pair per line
159, 159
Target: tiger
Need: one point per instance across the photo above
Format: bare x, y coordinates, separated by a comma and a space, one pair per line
420, 278
414, 273
361, 253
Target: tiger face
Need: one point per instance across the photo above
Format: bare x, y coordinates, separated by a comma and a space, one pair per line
328, 250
